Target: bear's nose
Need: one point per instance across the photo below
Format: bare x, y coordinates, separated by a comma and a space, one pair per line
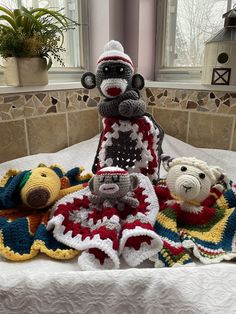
187, 188
38, 198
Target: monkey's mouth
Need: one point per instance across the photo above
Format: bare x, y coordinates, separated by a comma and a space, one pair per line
113, 87
109, 188
114, 91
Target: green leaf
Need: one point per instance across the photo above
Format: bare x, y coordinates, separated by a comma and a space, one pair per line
8, 12
58, 16
7, 28
10, 20
32, 22
18, 17
49, 63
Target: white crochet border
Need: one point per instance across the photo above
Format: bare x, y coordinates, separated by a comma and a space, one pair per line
87, 261
135, 257
55, 223
79, 244
189, 244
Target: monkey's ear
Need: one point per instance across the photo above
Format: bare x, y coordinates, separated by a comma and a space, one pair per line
91, 184
88, 80
134, 181
138, 81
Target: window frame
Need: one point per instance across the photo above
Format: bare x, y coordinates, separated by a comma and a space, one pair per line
72, 74
172, 74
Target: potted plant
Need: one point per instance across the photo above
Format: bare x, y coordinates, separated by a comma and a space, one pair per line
29, 40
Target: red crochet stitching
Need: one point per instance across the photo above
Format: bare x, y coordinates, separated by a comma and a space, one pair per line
144, 129
99, 254
135, 242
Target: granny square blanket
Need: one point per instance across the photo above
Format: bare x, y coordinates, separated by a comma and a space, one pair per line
134, 145
104, 234
210, 234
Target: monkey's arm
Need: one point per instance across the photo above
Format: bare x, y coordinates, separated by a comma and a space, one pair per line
132, 108
96, 200
133, 202
108, 203
110, 107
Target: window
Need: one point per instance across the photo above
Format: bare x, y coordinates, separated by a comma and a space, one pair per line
186, 25
75, 40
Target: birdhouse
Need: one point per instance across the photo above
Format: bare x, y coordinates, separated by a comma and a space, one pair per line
219, 66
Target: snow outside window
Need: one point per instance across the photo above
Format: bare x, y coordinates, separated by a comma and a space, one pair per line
188, 24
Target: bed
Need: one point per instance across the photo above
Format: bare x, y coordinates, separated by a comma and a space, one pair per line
44, 285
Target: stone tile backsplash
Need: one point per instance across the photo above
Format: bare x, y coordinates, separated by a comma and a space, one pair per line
204, 101
49, 121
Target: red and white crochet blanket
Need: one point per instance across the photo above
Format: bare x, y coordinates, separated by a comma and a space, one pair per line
105, 234
134, 145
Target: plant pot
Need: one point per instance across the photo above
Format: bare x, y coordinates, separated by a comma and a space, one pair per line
26, 71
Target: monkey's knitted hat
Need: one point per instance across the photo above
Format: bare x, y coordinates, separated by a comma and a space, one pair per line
111, 170
114, 51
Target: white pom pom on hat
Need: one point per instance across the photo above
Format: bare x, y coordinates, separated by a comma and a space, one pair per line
114, 51
113, 45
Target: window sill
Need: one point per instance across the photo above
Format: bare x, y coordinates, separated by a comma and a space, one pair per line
192, 86
51, 86
75, 85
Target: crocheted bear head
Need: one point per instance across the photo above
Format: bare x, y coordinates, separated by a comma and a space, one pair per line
190, 179
40, 187
114, 74
112, 183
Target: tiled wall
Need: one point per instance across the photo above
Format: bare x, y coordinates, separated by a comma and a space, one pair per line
32, 123
200, 118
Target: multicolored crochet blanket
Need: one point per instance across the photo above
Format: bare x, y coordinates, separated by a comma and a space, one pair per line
23, 235
104, 234
23, 232
210, 234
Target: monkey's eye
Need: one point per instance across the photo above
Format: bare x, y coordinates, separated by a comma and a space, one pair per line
106, 69
102, 179
121, 69
202, 175
115, 179
183, 168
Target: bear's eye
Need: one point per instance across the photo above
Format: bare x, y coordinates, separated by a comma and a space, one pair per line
106, 69
183, 168
43, 175
115, 179
202, 175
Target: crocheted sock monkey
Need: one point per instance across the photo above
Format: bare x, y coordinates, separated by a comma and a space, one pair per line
131, 138
116, 81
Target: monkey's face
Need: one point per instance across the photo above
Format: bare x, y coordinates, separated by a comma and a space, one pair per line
111, 186
113, 78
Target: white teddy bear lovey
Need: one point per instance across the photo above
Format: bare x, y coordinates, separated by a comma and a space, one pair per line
190, 181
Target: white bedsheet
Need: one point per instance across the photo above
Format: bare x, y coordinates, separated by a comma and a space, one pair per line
43, 285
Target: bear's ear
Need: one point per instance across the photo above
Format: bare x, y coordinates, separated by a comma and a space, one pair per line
138, 81
91, 187
218, 173
134, 181
88, 80
165, 161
